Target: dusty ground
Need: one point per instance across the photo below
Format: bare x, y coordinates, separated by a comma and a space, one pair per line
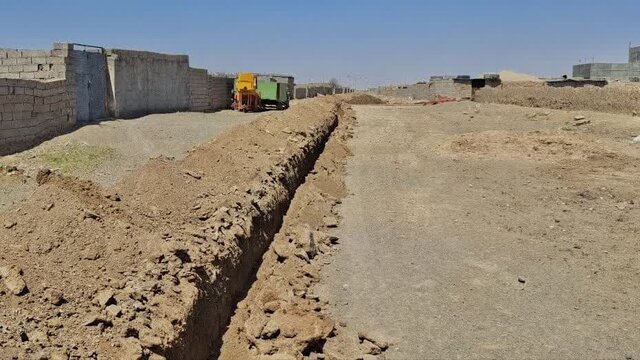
109, 150
489, 231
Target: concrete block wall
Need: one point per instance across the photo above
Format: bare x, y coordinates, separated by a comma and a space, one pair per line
32, 111
634, 54
428, 91
450, 88
145, 82
40, 65
199, 96
608, 71
300, 92
32, 64
220, 88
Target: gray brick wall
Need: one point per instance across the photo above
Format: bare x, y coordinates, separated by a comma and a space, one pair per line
31, 111
199, 95
220, 88
634, 54
145, 82
32, 64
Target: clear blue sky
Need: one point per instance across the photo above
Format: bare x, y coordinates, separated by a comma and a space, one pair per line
371, 41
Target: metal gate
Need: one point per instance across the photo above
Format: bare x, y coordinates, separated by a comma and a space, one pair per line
90, 67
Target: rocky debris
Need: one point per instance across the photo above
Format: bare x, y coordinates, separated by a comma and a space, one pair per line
305, 240
330, 221
282, 250
578, 118
376, 340
90, 214
254, 326
10, 224
581, 122
54, 296
43, 176
270, 330
38, 336
271, 306
12, 279
96, 319
636, 140
113, 311
368, 347
522, 279
193, 174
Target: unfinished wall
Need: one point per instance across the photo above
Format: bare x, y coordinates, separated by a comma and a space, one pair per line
32, 111
33, 64
451, 88
199, 96
614, 99
145, 82
40, 65
428, 91
220, 88
300, 92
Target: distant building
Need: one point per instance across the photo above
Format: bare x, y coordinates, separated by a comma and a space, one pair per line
625, 72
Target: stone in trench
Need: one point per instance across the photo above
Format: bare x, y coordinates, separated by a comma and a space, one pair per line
271, 306
12, 278
270, 330
306, 241
282, 250
254, 325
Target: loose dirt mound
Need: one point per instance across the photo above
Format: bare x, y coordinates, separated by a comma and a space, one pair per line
612, 99
363, 99
512, 76
535, 145
135, 270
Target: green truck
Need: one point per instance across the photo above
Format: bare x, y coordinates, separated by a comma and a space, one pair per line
273, 94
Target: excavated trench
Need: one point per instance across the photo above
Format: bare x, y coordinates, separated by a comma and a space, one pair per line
219, 299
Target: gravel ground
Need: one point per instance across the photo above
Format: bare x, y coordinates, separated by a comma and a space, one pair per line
490, 231
106, 151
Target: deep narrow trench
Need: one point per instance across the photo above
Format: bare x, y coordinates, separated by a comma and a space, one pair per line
274, 227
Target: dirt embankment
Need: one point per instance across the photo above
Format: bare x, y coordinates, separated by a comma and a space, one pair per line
152, 267
612, 99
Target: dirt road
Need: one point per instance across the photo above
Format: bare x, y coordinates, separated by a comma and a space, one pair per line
480, 230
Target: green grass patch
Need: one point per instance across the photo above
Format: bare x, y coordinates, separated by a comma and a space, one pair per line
77, 157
